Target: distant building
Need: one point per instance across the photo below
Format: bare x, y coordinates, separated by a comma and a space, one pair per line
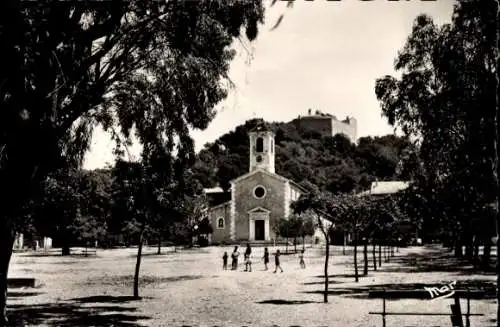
385, 188
22, 243
327, 124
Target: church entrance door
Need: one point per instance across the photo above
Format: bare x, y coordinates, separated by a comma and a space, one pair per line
258, 224
260, 230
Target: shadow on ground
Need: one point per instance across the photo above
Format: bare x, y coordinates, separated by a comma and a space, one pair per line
74, 313
70, 314
148, 280
108, 299
436, 259
339, 276
322, 282
487, 286
285, 302
22, 294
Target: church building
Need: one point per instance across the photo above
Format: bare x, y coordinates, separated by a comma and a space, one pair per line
258, 199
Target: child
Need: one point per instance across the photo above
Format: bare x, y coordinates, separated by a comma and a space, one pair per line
301, 257
234, 256
266, 257
277, 261
248, 263
224, 261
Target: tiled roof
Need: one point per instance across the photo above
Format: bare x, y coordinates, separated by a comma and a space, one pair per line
213, 190
386, 187
389, 187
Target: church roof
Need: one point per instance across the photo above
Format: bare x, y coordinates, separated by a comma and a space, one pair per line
261, 126
279, 177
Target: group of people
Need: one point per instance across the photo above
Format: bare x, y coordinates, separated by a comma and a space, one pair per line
248, 261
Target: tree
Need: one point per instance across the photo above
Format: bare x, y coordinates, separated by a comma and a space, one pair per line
72, 207
282, 228
307, 228
451, 70
355, 219
203, 230
70, 66
295, 223
60, 205
447, 98
326, 208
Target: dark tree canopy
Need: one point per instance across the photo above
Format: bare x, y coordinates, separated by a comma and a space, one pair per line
155, 69
445, 99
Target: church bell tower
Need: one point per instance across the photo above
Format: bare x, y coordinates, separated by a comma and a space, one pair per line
262, 152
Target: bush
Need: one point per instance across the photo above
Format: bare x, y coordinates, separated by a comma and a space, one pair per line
202, 241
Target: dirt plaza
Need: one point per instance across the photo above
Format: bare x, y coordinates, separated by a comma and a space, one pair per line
189, 288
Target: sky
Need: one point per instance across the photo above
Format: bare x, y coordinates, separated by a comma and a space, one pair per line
325, 55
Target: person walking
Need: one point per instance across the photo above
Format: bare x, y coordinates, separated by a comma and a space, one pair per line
224, 261
266, 257
301, 257
277, 261
234, 257
248, 263
248, 250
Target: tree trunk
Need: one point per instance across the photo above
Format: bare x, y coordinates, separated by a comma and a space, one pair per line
295, 244
138, 264
469, 247
380, 255
485, 262
356, 275
475, 254
365, 257
327, 256
458, 245
374, 257
159, 246
286, 245
7, 237
343, 245
303, 243
496, 167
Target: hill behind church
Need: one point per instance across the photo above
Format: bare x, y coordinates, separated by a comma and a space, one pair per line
312, 159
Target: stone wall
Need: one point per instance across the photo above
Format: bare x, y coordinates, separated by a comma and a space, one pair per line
214, 214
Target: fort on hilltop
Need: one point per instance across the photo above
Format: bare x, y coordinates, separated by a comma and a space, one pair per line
327, 124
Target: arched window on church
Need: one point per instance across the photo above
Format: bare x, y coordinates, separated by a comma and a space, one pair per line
220, 223
259, 144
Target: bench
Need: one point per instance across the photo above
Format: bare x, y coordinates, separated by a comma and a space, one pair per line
455, 314
18, 282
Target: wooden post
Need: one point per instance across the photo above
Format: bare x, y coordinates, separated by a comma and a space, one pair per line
467, 316
379, 255
383, 308
456, 314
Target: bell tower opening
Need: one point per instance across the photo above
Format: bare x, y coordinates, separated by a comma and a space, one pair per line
259, 145
262, 152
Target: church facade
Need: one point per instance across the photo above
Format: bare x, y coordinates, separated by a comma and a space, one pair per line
258, 199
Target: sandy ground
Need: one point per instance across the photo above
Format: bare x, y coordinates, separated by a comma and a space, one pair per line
189, 288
